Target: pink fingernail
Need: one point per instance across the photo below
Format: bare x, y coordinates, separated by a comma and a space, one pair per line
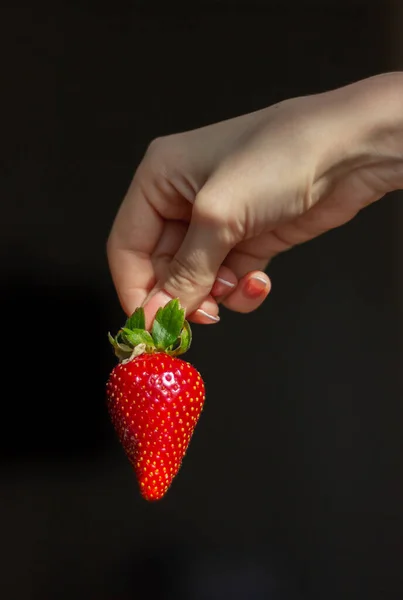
225, 282
153, 303
214, 318
157, 297
256, 286
221, 287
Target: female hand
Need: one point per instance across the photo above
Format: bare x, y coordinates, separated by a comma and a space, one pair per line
208, 209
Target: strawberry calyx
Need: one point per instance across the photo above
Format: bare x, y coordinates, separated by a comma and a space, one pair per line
170, 333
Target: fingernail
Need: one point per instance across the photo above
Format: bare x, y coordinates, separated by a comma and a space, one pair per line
225, 282
213, 318
157, 299
152, 303
256, 286
221, 287
157, 296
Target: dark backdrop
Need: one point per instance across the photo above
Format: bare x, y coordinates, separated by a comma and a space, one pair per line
293, 485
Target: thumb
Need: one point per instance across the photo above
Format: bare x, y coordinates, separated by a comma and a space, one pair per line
192, 271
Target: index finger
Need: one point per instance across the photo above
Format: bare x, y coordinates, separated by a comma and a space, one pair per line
134, 235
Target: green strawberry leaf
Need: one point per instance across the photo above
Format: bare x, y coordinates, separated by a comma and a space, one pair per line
136, 320
134, 337
184, 341
168, 324
112, 339
122, 351
170, 333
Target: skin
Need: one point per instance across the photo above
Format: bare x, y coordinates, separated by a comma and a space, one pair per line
208, 209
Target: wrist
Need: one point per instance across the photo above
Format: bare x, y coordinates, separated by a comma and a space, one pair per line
382, 97
362, 125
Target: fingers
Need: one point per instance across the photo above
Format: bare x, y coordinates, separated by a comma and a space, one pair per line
133, 238
132, 274
143, 248
191, 274
207, 313
250, 292
244, 297
254, 285
225, 283
168, 245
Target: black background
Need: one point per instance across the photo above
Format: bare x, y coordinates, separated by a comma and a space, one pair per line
292, 488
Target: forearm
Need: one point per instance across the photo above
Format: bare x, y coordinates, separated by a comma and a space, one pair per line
383, 97
362, 127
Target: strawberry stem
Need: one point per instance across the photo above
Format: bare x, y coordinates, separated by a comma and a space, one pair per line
170, 333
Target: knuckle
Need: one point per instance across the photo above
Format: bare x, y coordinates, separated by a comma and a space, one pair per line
182, 276
163, 155
156, 147
110, 245
163, 148
208, 211
213, 211
155, 160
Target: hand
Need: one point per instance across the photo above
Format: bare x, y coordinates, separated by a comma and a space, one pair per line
208, 209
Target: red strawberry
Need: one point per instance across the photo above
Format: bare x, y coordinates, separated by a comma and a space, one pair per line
154, 398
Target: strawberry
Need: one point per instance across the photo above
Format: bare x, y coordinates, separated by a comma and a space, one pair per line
154, 398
